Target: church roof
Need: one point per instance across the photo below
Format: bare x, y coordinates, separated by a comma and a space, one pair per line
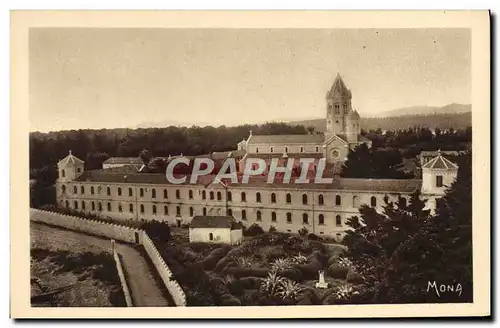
339, 88
439, 162
226, 222
288, 155
287, 139
353, 115
70, 159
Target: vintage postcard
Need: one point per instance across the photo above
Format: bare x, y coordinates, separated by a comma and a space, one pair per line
285, 164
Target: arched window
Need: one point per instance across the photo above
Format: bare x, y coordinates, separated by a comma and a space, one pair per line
130, 192
177, 194
165, 210
63, 173
191, 211
141, 192
120, 209
257, 197
211, 195
99, 207
338, 200
67, 204
142, 208
243, 197
273, 198
288, 198
321, 201
204, 194
219, 195
211, 236
75, 205
63, 189
92, 205
204, 211
131, 208
321, 219
153, 193
178, 210
289, 217
165, 193
273, 216
108, 191
82, 190
229, 212
154, 209
229, 196
109, 207
304, 199
92, 190
190, 194
355, 201
305, 218
243, 215
119, 191
259, 216
83, 205
338, 221
373, 201
75, 189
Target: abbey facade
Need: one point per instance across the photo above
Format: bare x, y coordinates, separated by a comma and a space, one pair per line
123, 192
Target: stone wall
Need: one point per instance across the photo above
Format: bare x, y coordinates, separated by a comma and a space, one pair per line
123, 280
93, 227
173, 286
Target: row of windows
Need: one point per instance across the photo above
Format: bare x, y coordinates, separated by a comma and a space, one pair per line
305, 216
271, 149
218, 195
337, 108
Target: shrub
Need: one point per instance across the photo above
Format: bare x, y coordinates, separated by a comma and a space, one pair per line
281, 264
308, 297
353, 277
229, 300
222, 263
293, 274
312, 236
310, 270
269, 255
334, 259
250, 282
246, 272
214, 257
338, 272
253, 230
244, 262
303, 231
299, 259
272, 229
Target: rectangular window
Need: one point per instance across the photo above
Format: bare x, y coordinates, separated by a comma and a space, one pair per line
439, 181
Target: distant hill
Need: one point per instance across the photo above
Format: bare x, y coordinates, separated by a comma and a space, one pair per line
432, 121
427, 110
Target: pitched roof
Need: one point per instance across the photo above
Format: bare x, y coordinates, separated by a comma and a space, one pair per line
339, 88
226, 222
287, 139
433, 153
70, 159
288, 155
123, 160
440, 162
344, 184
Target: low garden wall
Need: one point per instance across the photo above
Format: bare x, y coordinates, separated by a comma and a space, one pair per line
123, 280
173, 286
117, 232
93, 227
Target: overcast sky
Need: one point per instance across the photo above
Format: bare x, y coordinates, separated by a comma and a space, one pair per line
107, 78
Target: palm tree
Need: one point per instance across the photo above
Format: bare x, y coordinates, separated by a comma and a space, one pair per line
270, 284
281, 264
288, 290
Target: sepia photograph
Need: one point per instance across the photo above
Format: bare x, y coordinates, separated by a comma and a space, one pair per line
203, 167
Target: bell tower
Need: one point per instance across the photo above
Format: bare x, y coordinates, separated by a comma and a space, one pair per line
338, 107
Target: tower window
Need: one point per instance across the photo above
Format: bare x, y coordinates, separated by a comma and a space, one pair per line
439, 180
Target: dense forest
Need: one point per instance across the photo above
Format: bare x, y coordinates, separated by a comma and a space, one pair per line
457, 121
